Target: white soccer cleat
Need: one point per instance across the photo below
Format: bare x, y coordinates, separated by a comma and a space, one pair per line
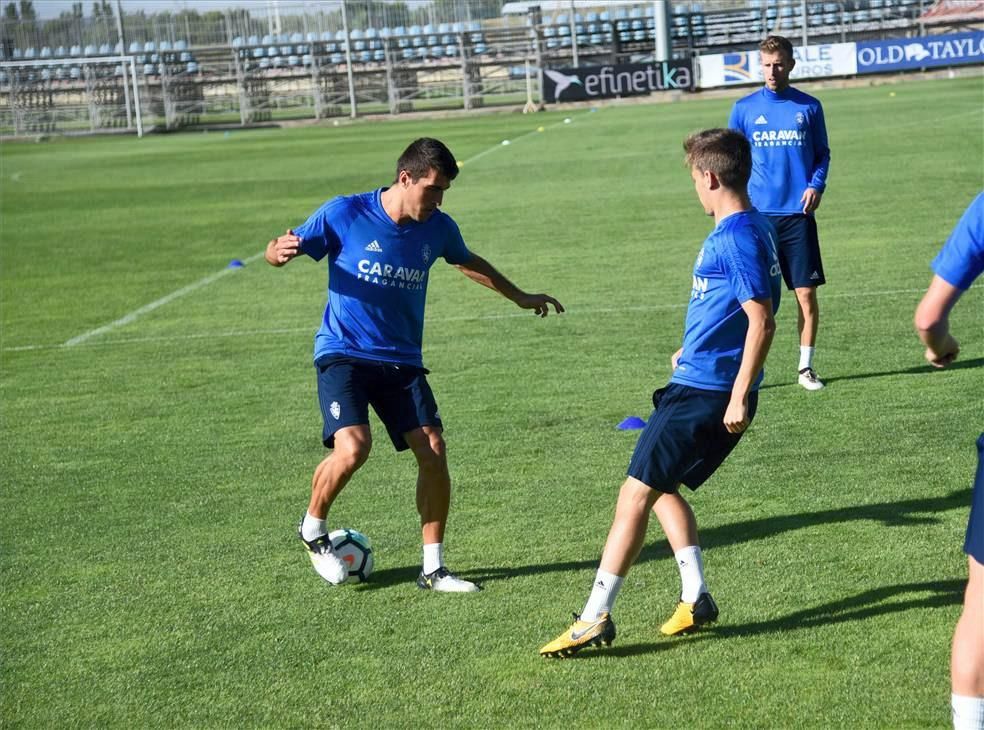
809, 379
444, 581
326, 563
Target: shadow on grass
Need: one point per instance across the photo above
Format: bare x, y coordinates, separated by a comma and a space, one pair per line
904, 513
915, 370
890, 514
868, 604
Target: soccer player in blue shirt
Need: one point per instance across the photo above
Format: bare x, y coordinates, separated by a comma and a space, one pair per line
711, 397
791, 158
380, 246
960, 261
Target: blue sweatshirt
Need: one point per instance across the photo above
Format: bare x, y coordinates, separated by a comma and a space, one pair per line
789, 147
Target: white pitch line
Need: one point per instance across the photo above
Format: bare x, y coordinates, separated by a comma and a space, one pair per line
589, 311
157, 304
147, 308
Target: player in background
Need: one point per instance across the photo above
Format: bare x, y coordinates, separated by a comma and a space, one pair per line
380, 246
789, 175
710, 400
960, 261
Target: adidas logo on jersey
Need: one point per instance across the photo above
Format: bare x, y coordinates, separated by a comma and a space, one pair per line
761, 119
374, 246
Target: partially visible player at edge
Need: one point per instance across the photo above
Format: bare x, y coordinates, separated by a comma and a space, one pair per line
710, 400
959, 262
789, 175
380, 246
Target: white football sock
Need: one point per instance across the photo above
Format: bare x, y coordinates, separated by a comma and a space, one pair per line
806, 357
690, 561
433, 557
313, 527
968, 712
603, 595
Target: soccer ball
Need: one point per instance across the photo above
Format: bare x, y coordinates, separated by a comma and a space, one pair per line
355, 549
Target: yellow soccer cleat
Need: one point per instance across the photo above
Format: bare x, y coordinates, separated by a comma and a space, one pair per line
691, 616
583, 633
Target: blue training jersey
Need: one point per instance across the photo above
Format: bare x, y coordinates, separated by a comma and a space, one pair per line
738, 262
377, 276
790, 152
961, 260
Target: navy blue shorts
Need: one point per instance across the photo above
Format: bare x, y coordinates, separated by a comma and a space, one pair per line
399, 394
974, 542
799, 250
685, 440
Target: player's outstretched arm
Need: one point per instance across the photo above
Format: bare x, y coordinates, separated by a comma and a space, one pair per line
283, 248
758, 339
932, 322
481, 271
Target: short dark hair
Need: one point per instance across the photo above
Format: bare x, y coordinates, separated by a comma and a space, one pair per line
777, 44
426, 154
725, 152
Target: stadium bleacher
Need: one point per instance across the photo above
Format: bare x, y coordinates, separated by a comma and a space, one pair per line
621, 30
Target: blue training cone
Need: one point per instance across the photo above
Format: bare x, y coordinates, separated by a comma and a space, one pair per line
235, 264
631, 423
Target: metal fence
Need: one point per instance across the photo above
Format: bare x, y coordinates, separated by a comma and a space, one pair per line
320, 59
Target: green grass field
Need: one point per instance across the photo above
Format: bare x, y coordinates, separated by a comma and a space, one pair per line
154, 469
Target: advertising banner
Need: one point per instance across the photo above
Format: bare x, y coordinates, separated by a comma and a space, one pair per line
924, 52
812, 62
606, 82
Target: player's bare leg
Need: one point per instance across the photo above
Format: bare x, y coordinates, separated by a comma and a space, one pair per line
967, 657
628, 530
433, 504
808, 321
352, 446
594, 625
696, 607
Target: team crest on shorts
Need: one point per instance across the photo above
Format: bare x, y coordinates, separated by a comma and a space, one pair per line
335, 409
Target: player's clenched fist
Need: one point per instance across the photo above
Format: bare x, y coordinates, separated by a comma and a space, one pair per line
283, 248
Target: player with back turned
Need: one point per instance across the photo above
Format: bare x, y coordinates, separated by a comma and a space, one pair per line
959, 263
711, 398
